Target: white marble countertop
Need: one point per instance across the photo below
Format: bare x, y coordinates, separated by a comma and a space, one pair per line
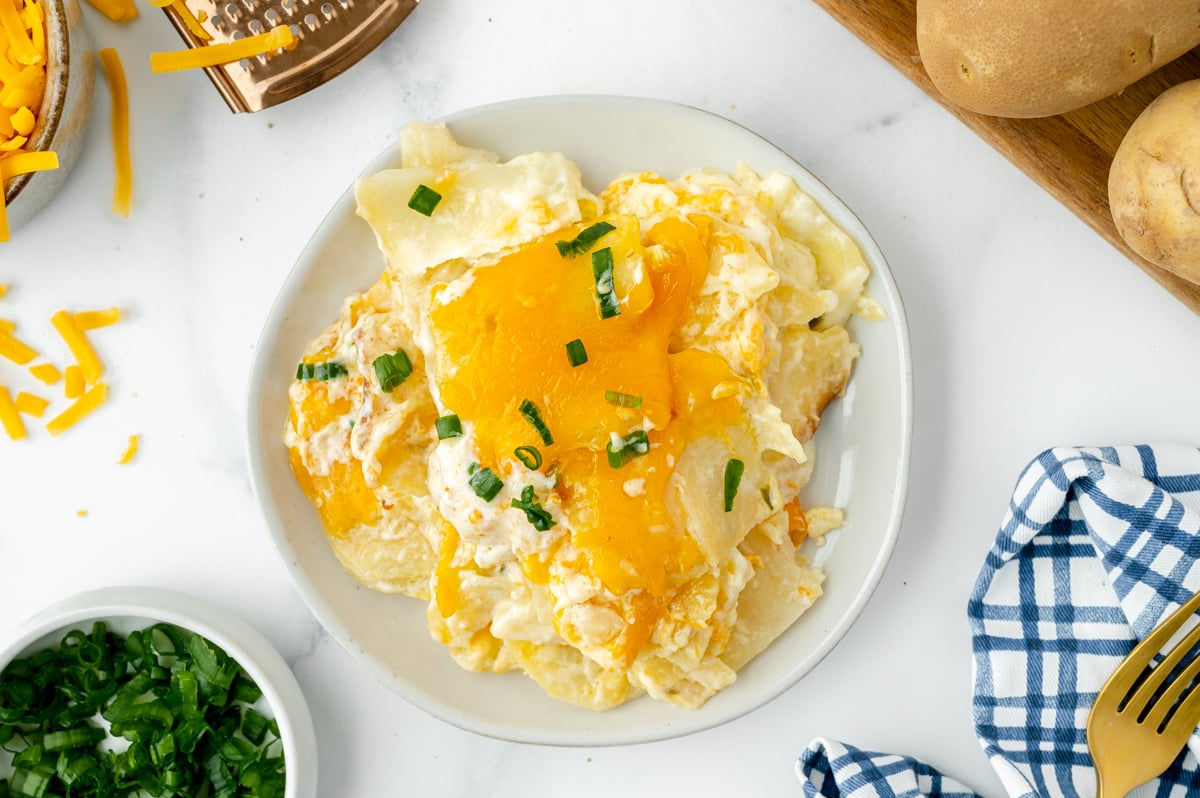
1028, 331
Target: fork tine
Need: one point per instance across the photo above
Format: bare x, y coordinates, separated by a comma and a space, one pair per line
1172, 693
1186, 717
1158, 676
1124, 677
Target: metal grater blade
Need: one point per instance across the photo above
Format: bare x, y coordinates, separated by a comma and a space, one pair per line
332, 36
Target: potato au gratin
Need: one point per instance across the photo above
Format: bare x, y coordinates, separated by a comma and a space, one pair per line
577, 425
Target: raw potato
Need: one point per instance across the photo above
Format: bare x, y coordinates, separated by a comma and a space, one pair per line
1154, 183
1027, 58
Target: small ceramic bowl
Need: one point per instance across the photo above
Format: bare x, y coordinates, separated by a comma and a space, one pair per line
63, 119
126, 609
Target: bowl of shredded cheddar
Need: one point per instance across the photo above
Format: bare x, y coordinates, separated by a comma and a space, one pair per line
46, 83
585, 420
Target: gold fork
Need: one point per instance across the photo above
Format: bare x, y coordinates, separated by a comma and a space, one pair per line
1131, 732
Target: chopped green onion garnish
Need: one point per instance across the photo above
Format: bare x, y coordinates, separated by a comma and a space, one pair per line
73, 738
602, 270
424, 200
538, 515
529, 410
635, 444
733, 478
448, 427
529, 456
321, 371
586, 239
622, 399
391, 370
165, 690
484, 482
576, 353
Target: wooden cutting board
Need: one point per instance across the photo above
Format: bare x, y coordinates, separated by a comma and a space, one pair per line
1068, 155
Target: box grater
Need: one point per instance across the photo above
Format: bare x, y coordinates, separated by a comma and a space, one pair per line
332, 36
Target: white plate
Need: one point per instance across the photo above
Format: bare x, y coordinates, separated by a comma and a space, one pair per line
862, 455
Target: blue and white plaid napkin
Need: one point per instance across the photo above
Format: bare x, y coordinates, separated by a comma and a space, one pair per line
1097, 547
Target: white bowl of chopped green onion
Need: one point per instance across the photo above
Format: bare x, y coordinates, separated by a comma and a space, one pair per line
150, 692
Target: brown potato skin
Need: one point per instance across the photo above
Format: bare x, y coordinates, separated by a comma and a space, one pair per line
1154, 182
1031, 58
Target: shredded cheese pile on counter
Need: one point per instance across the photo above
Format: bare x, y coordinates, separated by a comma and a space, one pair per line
22, 86
82, 379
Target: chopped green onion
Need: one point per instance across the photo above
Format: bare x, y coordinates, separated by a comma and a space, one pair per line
635, 444
602, 270
177, 699
321, 371
529, 456
391, 370
254, 726
733, 478
622, 399
537, 515
484, 482
576, 353
586, 239
424, 200
529, 410
32, 782
448, 427
73, 738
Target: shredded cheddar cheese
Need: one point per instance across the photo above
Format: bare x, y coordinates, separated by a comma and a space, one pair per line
277, 38
130, 451
19, 43
189, 19
22, 120
31, 404
122, 163
82, 384
46, 373
83, 406
81, 513
22, 83
81, 348
94, 319
74, 383
116, 10
4, 232
20, 162
16, 351
10, 419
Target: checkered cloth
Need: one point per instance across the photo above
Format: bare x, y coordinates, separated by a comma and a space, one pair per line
836, 770
1098, 547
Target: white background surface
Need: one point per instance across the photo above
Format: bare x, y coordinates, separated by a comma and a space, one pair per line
1028, 331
